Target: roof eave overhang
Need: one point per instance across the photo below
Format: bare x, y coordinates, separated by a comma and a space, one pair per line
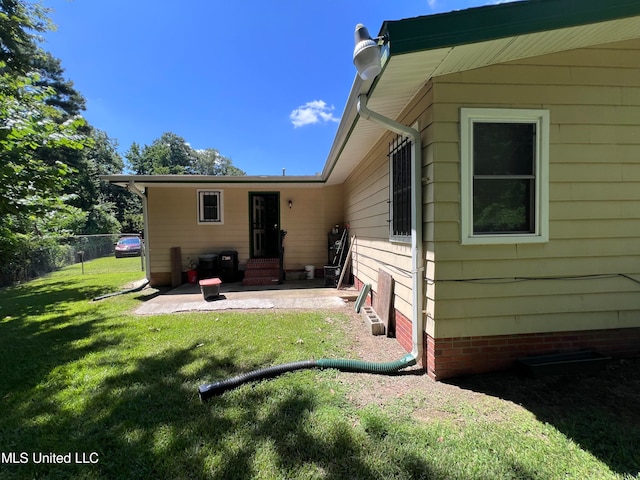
211, 181
481, 24
422, 48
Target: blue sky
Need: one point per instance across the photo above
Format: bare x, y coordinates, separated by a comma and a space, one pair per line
262, 81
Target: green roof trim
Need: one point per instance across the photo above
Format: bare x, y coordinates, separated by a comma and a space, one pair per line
498, 21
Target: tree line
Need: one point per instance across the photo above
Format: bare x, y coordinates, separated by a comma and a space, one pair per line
51, 157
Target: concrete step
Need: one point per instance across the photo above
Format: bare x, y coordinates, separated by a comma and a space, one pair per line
256, 281
262, 272
259, 263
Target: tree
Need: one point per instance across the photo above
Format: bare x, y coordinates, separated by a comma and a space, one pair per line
91, 206
210, 162
42, 131
99, 158
28, 180
51, 74
31, 184
172, 155
20, 26
106, 205
135, 160
125, 206
39, 130
168, 155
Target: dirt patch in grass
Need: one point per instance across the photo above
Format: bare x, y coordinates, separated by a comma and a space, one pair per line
573, 402
425, 397
599, 412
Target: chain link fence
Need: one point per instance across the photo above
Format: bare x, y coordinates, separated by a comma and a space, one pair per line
33, 258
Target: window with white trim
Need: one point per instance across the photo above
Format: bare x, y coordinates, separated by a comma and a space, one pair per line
504, 175
210, 207
400, 151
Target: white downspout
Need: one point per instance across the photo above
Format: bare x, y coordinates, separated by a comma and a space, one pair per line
417, 255
132, 187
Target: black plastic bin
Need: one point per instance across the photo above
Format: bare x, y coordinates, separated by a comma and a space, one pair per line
208, 265
229, 265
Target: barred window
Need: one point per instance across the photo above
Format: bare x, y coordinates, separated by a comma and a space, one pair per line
400, 189
210, 207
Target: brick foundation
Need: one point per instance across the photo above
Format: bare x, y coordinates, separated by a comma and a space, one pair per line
404, 333
160, 279
454, 357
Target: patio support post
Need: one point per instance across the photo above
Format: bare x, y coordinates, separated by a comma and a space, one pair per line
132, 187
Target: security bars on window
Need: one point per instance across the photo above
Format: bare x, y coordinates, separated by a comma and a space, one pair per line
400, 195
209, 207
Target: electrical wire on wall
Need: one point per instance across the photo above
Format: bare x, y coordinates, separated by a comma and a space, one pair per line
501, 280
393, 268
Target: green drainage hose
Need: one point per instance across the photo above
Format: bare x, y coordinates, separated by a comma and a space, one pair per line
358, 366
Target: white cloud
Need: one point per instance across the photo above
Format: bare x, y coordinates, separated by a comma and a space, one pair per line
313, 112
432, 3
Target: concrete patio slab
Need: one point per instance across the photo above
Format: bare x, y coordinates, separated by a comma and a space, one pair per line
295, 295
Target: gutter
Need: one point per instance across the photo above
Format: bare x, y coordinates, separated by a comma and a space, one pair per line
207, 180
417, 254
132, 187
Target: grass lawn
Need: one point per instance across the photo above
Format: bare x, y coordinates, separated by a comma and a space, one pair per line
120, 391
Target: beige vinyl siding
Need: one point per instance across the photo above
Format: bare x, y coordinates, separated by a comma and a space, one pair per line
315, 211
593, 96
366, 193
367, 212
173, 223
